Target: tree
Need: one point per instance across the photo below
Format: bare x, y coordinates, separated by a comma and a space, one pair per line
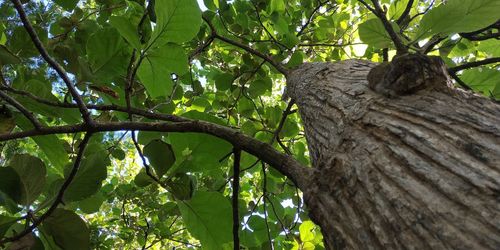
123, 124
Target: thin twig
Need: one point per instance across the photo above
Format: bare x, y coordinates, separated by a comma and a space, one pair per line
278, 66
405, 13
264, 195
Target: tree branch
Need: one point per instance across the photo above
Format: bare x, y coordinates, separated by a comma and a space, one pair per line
377, 10
60, 194
278, 66
236, 191
475, 64
303, 28
283, 163
405, 13
21, 109
60, 71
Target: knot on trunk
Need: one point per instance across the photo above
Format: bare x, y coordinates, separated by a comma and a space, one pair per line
407, 74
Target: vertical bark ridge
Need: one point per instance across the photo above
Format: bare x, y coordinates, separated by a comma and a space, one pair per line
412, 172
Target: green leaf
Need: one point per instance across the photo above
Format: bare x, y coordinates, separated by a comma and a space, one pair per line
260, 87
277, 5
178, 21
11, 183
68, 230
160, 156
223, 81
20, 43
482, 79
458, 16
67, 4
373, 33
102, 46
92, 171
305, 230
206, 150
182, 186
156, 69
142, 179
127, 30
206, 218
51, 146
5, 223
7, 57
31, 171
91, 204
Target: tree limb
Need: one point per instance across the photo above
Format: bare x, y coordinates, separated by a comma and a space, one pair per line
405, 13
377, 10
475, 64
283, 163
60, 71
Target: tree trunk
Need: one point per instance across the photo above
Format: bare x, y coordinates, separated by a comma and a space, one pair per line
420, 171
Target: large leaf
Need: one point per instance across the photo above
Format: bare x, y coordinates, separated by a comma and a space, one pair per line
7, 57
68, 230
206, 218
373, 33
160, 155
182, 186
92, 171
5, 223
50, 145
31, 171
126, 29
156, 69
458, 16
67, 4
105, 50
483, 80
10, 184
177, 21
206, 150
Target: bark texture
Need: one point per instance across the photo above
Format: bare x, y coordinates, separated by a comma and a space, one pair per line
420, 171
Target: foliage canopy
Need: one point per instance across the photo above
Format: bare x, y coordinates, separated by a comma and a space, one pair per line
84, 86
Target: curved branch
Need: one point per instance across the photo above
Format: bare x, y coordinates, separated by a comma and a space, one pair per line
405, 13
60, 71
309, 20
278, 66
377, 10
475, 64
59, 198
283, 163
21, 109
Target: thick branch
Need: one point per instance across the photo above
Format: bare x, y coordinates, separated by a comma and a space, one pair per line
60, 71
405, 13
475, 64
377, 10
59, 198
283, 163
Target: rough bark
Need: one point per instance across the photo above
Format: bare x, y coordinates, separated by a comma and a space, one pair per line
420, 171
